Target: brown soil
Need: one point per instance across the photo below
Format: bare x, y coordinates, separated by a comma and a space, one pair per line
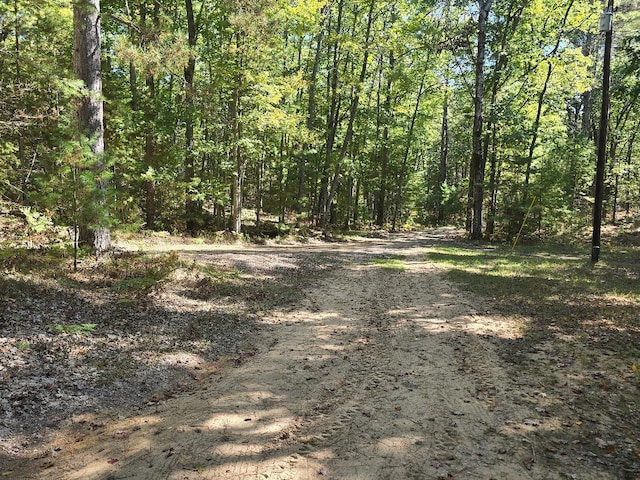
356, 371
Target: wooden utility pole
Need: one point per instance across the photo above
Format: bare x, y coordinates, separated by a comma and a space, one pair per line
606, 25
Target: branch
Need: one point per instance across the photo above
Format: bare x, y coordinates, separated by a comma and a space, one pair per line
125, 22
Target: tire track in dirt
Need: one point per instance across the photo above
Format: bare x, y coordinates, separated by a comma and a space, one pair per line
377, 374
403, 410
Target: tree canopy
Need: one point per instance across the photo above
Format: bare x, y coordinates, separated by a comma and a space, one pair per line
219, 114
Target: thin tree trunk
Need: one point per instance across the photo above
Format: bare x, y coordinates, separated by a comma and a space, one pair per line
405, 157
536, 125
311, 115
259, 190
493, 181
384, 157
332, 124
150, 155
511, 24
629, 158
477, 166
444, 156
151, 115
21, 154
281, 181
236, 188
352, 112
192, 207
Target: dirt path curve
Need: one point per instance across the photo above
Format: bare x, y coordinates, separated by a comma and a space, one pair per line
378, 373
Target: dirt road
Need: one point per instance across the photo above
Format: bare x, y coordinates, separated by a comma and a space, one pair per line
382, 371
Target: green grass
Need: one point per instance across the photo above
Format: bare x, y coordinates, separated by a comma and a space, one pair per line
396, 264
539, 273
80, 329
557, 289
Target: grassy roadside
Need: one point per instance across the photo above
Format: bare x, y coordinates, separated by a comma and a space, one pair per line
577, 358
558, 286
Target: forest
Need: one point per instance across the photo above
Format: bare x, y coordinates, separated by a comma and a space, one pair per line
311, 211
243, 115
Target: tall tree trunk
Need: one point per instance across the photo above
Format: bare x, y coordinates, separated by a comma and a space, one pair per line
477, 166
332, 123
236, 188
620, 122
282, 180
510, 25
150, 154
536, 126
494, 174
193, 208
87, 66
21, 154
260, 189
353, 110
444, 155
384, 154
405, 157
628, 170
150, 114
311, 115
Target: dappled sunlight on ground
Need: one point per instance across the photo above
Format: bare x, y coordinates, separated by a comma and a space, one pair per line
376, 371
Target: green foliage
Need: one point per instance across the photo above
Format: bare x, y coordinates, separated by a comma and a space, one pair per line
266, 91
36, 221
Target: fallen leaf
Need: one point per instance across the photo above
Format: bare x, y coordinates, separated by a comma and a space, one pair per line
113, 460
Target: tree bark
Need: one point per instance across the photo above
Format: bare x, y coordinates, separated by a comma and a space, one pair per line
332, 124
384, 154
444, 155
192, 207
477, 166
151, 116
236, 188
87, 67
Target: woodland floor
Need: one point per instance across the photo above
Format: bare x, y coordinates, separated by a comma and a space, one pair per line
303, 361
